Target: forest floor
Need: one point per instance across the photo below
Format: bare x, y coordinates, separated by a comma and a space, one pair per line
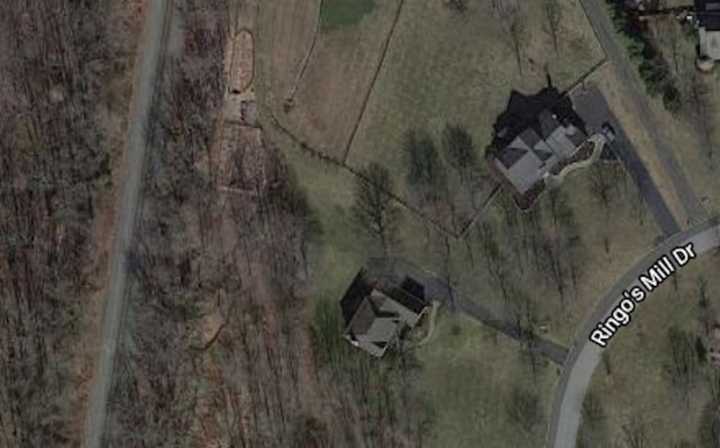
127, 175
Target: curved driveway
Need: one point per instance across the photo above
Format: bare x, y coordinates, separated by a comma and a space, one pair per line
585, 355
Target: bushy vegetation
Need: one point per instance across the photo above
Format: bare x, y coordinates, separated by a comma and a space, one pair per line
443, 181
54, 172
384, 391
654, 70
338, 13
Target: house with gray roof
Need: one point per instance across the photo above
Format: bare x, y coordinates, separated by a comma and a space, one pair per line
376, 315
708, 23
529, 156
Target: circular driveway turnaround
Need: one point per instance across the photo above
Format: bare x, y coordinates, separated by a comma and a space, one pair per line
584, 355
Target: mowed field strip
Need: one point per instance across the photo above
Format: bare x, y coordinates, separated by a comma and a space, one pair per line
341, 64
448, 67
353, 91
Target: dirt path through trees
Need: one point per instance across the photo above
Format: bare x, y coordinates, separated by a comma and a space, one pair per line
151, 48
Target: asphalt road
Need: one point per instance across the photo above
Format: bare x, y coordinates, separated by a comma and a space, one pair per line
152, 46
584, 355
633, 90
594, 110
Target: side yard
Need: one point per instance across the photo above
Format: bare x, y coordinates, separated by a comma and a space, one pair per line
481, 388
325, 58
656, 382
542, 269
445, 67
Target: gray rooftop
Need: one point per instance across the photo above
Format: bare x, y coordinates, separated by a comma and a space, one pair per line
536, 150
379, 317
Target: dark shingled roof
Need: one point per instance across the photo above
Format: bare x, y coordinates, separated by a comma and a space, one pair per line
530, 137
354, 296
548, 123
509, 155
708, 13
366, 314
357, 302
407, 299
413, 287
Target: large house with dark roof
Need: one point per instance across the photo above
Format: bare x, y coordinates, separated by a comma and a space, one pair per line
377, 314
535, 151
534, 136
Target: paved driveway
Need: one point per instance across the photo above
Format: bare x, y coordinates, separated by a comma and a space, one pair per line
494, 317
633, 90
594, 110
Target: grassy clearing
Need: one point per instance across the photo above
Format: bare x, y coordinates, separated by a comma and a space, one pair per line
600, 245
638, 382
465, 376
447, 67
639, 135
694, 139
608, 241
339, 13
328, 94
693, 132
468, 374
284, 38
428, 96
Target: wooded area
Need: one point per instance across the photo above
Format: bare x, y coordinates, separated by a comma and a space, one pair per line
219, 345
54, 170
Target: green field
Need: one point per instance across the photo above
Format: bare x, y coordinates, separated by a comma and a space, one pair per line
468, 374
443, 67
605, 239
339, 13
476, 356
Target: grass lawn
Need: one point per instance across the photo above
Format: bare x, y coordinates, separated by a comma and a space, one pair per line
468, 374
444, 67
432, 55
338, 13
638, 385
693, 132
599, 246
324, 71
695, 140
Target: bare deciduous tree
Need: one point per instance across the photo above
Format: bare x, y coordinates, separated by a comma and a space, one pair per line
553, 11
523, 408
635, 433
374, 208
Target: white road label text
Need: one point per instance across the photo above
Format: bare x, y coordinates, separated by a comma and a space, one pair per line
663, 268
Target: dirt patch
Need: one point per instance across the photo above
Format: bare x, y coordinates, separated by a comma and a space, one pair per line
240, 61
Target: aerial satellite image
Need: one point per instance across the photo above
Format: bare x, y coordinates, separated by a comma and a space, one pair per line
359, 224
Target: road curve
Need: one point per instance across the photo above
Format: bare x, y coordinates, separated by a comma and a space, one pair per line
584, 355
633, 90
150, 54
